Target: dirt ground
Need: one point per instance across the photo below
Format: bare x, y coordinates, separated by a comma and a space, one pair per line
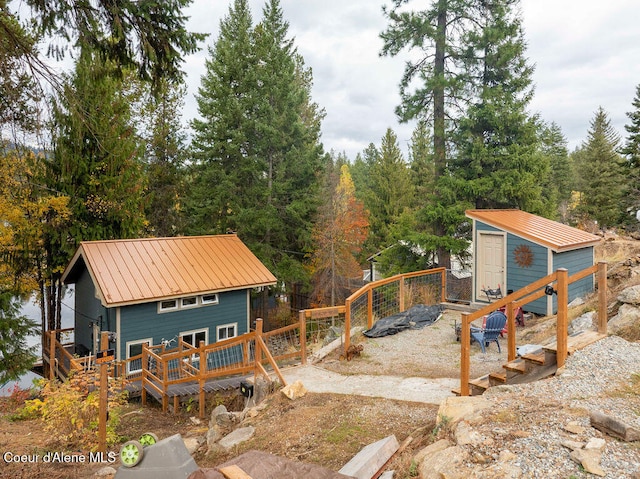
326, 429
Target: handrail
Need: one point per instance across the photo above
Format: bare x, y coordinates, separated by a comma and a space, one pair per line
526, 295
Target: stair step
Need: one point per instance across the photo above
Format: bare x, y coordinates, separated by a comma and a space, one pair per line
577, 341
518, 365
497, 378
479, 385
537, 358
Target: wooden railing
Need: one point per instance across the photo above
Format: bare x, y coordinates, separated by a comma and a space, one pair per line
55, 356
526, 295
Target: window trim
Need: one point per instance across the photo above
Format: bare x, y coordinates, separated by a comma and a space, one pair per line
187, 306
128, 344
204, 302
226, 326
162, 309
178, 302
193, 332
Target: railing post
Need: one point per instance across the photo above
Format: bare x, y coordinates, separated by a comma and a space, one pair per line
443, 286
145, 361
370, 308
103, 400
303, 337
401, 292
602, 297
465, 351
347, 324
562, 286
511, 331
257, 359
201, 380
52, 354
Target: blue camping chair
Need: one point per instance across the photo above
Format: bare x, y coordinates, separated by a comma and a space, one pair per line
494, 325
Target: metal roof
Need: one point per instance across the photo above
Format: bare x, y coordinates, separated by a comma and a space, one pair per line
140, 270
556, 236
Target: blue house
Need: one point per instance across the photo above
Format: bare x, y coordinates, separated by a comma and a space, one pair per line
513, 248
160, 289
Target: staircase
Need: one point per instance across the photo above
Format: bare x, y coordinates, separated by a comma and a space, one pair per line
532, 366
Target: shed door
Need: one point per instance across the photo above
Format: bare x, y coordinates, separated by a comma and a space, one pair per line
490, 267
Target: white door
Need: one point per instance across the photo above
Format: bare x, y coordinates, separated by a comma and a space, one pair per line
490, 267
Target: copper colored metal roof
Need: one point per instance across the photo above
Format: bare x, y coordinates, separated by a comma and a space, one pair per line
556, 236
141, 270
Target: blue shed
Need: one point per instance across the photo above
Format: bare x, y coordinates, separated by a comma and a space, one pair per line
154, 289
513, 248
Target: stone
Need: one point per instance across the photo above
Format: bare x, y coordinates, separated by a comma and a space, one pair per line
630, 295
195, 421
105, 472
213, 436
628, 314
589, 460
455, 408
371, 458
236, 437
446, 463
614, 427
574, 428
294, 391
573, 445
583, 323
596, 443
466, 435
431, 449
192, 444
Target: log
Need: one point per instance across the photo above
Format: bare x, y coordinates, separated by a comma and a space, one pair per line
368, 462
614, 427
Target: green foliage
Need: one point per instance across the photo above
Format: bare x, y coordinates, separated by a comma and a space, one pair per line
16, 357
631, 152
600, 168
145, 35
70, 414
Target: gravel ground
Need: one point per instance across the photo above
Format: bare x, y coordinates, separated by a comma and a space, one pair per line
597, 378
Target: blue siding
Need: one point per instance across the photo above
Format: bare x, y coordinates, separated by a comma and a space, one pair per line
575, 261
480, 226
88, 310
518, 276
143, 321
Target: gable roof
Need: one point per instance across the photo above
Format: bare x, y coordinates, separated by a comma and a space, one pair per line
551, 234
141, 270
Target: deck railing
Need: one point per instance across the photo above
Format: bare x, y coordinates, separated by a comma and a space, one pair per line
526, 295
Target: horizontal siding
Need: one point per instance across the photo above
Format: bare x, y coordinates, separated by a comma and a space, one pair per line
480, 226
142, 321
518, 277
576, 261
87, 311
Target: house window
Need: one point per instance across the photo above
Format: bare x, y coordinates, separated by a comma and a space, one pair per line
134, 348
168, 305
227, 331
189, 302
194, 337
209, 299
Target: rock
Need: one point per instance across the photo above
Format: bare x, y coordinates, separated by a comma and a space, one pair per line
583, 323
221, 409
192, 443
195, 421
238, 436
596, 443
213, 436
630, 295
589, 459
105, 472
574, 428
466, 435
444, 464
573, 445
614, 427
294, 391
576, 302
455, 408
628, 314
431, 449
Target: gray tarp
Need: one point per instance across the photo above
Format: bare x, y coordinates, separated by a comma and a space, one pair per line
416, 317
260, 465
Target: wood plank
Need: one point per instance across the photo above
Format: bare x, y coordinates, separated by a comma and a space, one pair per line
367, 463
498, 378
233, 472
537, 358
578, 341
482, 382
516, 366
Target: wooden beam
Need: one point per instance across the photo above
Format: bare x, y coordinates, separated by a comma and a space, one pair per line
465, 352
561, 321
233, 472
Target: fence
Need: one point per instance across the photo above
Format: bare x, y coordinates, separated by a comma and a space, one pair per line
526, 295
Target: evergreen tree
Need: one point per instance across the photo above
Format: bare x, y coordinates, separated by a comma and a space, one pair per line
16, 358
498, 160
601, 171
631, 151
96, 162
560, 185
390, 193
164, 157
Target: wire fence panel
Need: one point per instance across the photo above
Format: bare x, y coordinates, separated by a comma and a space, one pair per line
424, 289
459, 286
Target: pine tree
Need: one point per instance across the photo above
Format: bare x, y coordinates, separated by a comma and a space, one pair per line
560, 185
631, 151
498, 158
16, 358
601, 172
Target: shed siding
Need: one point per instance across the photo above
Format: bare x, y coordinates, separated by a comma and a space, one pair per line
518, 276
480, 226
88, 310
575, 261
142, 321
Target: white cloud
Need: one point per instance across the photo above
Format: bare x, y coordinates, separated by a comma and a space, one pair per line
586, 54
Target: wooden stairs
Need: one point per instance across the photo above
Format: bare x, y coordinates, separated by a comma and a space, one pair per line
533, 366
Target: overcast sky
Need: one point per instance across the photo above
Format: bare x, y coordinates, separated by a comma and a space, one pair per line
586, 54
